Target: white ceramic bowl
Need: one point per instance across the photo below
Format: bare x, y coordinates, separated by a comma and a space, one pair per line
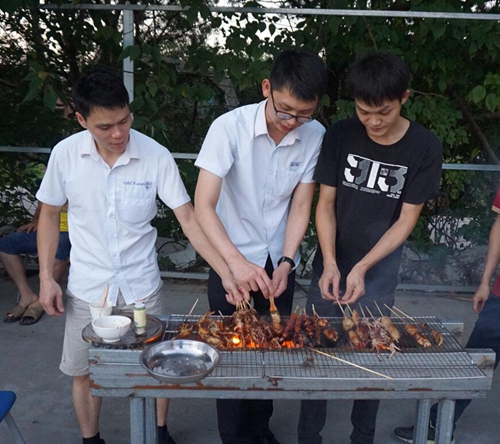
111, 328
97, 311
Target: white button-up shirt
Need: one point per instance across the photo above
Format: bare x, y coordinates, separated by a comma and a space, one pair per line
258, 177
109, 212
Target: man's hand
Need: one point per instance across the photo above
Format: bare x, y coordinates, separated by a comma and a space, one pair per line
355, 286
280, 278
329, 283
28, 227
235, 293
480, 297
251, 277
51, 297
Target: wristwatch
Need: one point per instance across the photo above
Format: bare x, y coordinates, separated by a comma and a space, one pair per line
288, 261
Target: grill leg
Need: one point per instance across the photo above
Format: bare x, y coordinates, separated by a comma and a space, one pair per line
422, 421
143, 429
150, 421
137, 435
445, 416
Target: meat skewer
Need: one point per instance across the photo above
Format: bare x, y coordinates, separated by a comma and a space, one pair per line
413, 331
436, 336
386, 322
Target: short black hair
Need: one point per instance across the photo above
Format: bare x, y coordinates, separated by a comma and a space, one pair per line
300, 71
99, 89
376, 77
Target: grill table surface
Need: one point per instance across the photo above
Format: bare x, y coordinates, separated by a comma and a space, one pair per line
441, 374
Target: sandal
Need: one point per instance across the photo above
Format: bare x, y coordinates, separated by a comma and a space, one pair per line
32, 314
15, 314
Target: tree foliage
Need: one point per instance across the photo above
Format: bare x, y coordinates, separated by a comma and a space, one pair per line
192, 66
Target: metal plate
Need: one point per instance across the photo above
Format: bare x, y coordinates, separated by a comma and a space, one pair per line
179, 361
154, 331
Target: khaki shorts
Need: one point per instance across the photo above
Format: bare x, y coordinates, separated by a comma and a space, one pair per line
75, 355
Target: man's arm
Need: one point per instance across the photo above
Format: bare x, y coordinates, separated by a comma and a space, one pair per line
298, 221
392, 239
326, 227
492, 259
247, 274
47, 241
185, 216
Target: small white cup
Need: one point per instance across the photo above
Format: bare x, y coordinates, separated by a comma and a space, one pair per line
97, 312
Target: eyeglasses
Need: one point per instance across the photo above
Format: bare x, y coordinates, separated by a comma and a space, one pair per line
287, 116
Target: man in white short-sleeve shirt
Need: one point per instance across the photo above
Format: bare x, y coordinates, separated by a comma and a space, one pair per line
253, 161
110, 175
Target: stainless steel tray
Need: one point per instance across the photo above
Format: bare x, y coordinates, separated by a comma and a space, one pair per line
179, 361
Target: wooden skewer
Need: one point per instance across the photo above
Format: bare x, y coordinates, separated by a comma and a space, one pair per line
349, 307
394, 313
350, 363
403, 313
192, 308
315, 313
371, 314
362, 311
342, 310
379, 310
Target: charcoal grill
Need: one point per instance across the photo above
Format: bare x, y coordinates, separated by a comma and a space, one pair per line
441, 374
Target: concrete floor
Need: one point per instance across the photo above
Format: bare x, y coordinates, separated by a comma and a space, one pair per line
29, 360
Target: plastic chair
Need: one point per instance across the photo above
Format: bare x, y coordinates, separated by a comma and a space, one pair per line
7, 400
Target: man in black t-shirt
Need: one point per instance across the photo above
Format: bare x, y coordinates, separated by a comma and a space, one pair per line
375, 171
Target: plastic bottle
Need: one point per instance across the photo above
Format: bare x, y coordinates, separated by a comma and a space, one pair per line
140, 318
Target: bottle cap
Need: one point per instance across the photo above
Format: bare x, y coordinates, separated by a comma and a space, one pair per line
139, 304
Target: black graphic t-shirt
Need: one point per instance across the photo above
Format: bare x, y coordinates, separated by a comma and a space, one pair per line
373, 181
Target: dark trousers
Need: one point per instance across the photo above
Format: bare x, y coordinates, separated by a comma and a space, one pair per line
486, 334
364, 413
246, 421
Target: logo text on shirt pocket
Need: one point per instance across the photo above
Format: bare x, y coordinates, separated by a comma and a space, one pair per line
294, 166
145, 184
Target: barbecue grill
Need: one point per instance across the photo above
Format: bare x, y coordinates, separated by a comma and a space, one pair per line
441, 374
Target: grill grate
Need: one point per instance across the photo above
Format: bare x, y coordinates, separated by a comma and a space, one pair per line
447, 361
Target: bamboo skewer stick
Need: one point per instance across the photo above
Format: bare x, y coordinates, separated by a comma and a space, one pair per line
350, 363
379, 310
362, 311
342, 310
394, 313
192, 308
371, 314
403, 313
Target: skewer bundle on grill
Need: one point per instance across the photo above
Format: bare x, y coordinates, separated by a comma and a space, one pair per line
246, 329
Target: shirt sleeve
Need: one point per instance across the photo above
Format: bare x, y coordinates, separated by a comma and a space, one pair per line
327, 166
171, 189
308, 175
424, 183
216, 154
52, 189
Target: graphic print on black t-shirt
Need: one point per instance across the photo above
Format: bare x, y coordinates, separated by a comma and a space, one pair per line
372, 176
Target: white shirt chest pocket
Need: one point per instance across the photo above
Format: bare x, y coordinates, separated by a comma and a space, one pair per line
287, 181
136, 205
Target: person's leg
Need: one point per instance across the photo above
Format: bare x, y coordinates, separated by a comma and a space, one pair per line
231, 413
311, 421
486, 334
363, 420
364, 412
87, 407
74, 363
313, 412
11, 247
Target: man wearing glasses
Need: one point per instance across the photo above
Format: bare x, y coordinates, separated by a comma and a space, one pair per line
253, 161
